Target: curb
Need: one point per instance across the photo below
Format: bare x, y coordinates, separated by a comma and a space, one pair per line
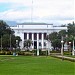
64, 58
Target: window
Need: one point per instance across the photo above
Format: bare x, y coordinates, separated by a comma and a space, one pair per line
35, 36
40, 35
44, 43
30, 35
45, 35
25, 35
39, 43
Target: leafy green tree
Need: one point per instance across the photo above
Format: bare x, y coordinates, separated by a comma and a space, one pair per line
27, 44
18, 39
5, 32
55, 40
71, 29
71, 32
62, 33
5, 29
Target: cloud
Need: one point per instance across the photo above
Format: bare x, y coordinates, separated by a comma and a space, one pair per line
43, 10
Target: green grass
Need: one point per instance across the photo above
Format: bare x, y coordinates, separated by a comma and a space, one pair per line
32, 65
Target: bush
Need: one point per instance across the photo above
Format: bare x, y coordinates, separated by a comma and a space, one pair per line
43, 52
34, 52
26, 53
2, 53
53, 51
67, 53
5, 52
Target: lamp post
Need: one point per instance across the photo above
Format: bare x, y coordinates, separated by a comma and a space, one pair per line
69, 46
62, 48
46, 48
16, 44
73, 51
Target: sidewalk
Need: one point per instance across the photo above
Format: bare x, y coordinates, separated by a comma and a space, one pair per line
64, 57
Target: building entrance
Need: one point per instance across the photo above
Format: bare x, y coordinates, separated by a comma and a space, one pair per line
35, 44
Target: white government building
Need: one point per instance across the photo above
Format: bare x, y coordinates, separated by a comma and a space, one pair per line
37, 32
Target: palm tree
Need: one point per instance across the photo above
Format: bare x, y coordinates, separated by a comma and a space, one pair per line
27, 44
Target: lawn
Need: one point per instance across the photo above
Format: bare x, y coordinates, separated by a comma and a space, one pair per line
35, 65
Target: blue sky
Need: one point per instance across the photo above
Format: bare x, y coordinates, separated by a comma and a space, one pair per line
49, 11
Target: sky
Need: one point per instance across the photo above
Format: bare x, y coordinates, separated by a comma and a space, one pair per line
57, 12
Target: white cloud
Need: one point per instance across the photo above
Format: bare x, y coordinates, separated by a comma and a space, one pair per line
43, 10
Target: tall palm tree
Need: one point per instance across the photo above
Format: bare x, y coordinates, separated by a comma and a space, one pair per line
27, 44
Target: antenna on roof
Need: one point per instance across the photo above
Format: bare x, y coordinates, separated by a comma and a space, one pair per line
32, 12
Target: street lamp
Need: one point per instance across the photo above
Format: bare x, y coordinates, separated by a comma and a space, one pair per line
69, 46
69, 42
46, 48
73, 51
16, 46
16, 43
62, 48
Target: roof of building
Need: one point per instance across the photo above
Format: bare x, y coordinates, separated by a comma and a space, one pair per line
33, 23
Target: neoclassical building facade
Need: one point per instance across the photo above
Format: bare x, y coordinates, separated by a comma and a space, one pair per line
37, 32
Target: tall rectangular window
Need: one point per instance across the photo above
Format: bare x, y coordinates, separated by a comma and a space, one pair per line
35, 36
30, 36
45, 35
25, 35
40, 35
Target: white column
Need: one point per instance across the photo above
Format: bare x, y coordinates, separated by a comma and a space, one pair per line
37, 44
37, 40
33, 40
42, 41
22, 42
27, 36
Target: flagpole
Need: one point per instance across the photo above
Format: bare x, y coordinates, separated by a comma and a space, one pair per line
32, 12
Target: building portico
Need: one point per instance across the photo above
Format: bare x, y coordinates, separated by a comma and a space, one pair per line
38, 39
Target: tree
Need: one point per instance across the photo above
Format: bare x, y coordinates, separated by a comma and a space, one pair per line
55, 40
5, 29
27, 44
7, 35
71, 32
18, 39
71, 29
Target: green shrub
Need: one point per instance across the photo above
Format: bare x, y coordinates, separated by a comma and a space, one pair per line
5, 52
67, 53
43, 52
26, 53
2, 53
55, 51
